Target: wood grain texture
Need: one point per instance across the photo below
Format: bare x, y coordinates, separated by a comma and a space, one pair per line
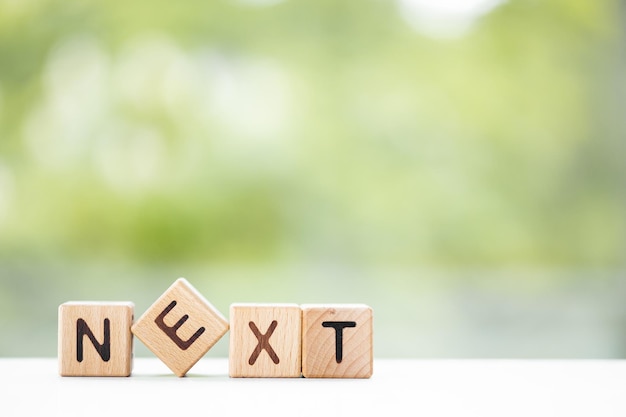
321, 355
178, 341
265, 340
110, 351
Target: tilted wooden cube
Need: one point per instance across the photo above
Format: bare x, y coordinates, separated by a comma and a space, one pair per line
265, 340
337, 341
180, 327
95, 338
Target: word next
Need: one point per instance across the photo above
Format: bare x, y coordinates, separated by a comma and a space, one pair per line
266, 340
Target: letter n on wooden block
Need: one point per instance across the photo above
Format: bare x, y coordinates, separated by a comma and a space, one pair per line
265, 340
337, 341
95, 338
180, 327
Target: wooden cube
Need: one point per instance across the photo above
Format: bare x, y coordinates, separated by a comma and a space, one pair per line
95, 338
265, 340
337, 341
180, 327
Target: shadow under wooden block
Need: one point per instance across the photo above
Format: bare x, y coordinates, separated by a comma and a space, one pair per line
95, 338
337, 341
265, 340
180, 327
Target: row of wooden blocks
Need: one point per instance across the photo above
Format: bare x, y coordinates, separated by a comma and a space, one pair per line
266, 340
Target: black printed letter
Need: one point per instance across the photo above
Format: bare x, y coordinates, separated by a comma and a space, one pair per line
104, 349
339, 326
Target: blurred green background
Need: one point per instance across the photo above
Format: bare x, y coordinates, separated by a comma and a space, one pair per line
457, 165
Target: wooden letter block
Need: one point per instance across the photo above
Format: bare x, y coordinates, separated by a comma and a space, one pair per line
265, 340
337, 341
180, 327
95, 339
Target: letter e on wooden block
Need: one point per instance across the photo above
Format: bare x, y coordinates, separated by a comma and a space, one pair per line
180, 327
265, 340
337, 341
95, 338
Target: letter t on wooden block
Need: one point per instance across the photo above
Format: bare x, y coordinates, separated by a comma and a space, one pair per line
337, 341
95, 338
180, 327
265, 340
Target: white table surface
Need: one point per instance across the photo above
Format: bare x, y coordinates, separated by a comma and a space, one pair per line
503, 388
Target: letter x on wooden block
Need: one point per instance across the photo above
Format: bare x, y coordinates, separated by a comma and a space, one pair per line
95, 338
337, 341
265, 340
180, 327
